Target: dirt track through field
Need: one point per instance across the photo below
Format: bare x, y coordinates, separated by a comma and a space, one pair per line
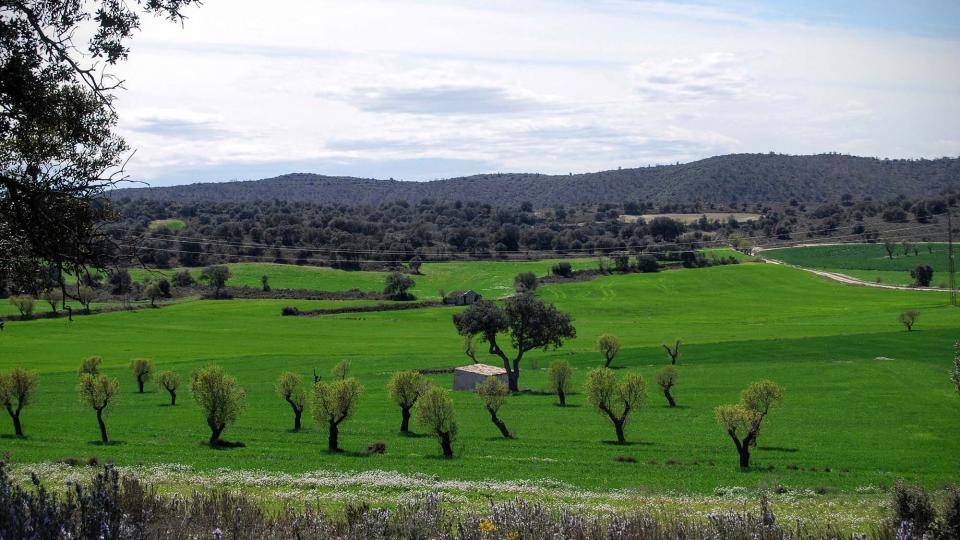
845, 279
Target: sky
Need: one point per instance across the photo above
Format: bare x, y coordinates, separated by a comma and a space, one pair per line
417, 90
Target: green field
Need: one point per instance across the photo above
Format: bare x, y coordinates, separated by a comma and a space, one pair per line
868, 261
172, 225
493, 279
866, 402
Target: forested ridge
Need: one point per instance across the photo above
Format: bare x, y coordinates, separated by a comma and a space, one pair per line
733, 178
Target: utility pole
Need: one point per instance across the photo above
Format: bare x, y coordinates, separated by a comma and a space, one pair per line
951, 260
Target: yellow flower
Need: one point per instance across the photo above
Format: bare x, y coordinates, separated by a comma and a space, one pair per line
513, 535
487, 526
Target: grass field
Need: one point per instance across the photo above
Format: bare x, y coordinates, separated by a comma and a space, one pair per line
493, 279
867, 261
173, 225
866, 402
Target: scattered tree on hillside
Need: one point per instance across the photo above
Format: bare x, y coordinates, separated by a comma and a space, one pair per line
265, 283
525, 282
341, 370
415, 263
142, 369
153, 292
99, 392
667, 379
891, 248
289, 387
219, 397
743, 420
647, 263
494, 395
531, 323
435, 410
90, 366
616, 400
17, 388
182, 278
562, 269
559, 376
24, 304
216, 276
609, 346
397, 286
405, 388
673, 352
909, 318
907, 246
53, 297
169, 381
333, 403
922, 275
955, 374
86, 296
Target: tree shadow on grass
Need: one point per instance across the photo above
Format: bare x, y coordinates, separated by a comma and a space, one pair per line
111, 443
412, 435
14, 437
568, 405
500, 438
629, 443
223, 445
778, 449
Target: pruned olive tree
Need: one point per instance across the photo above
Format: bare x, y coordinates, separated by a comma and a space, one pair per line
397, 286
743, 420
435, 411
17, 388
909, 318
24, 304
494, 393
142, 369
219, 397
609, 347
525, 282
560, 375
333, 403
667, 378
530, 323
90, 366
341, 370
673, 352
616, 399
169, 381
99, 392
289, 387
405, 388
153, 292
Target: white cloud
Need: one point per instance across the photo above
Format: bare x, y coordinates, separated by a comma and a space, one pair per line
545, 86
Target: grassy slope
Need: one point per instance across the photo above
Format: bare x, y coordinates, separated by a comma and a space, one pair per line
878, 419
492, 279
867, 261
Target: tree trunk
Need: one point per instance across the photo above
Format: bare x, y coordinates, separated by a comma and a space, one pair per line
333, 440
296, 414
618, 425
405, 423
743, 448
103, 427
446, 444
17, 428
500, 425
215, 432
609, 359
563, 398
140, 384
666, 393
173, 397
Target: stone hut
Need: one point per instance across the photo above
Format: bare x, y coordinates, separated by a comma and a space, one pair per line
462, 298
468, 377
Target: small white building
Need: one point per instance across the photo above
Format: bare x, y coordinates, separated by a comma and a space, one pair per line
468, 377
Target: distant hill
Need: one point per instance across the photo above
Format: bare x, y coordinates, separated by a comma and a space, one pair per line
722, 179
